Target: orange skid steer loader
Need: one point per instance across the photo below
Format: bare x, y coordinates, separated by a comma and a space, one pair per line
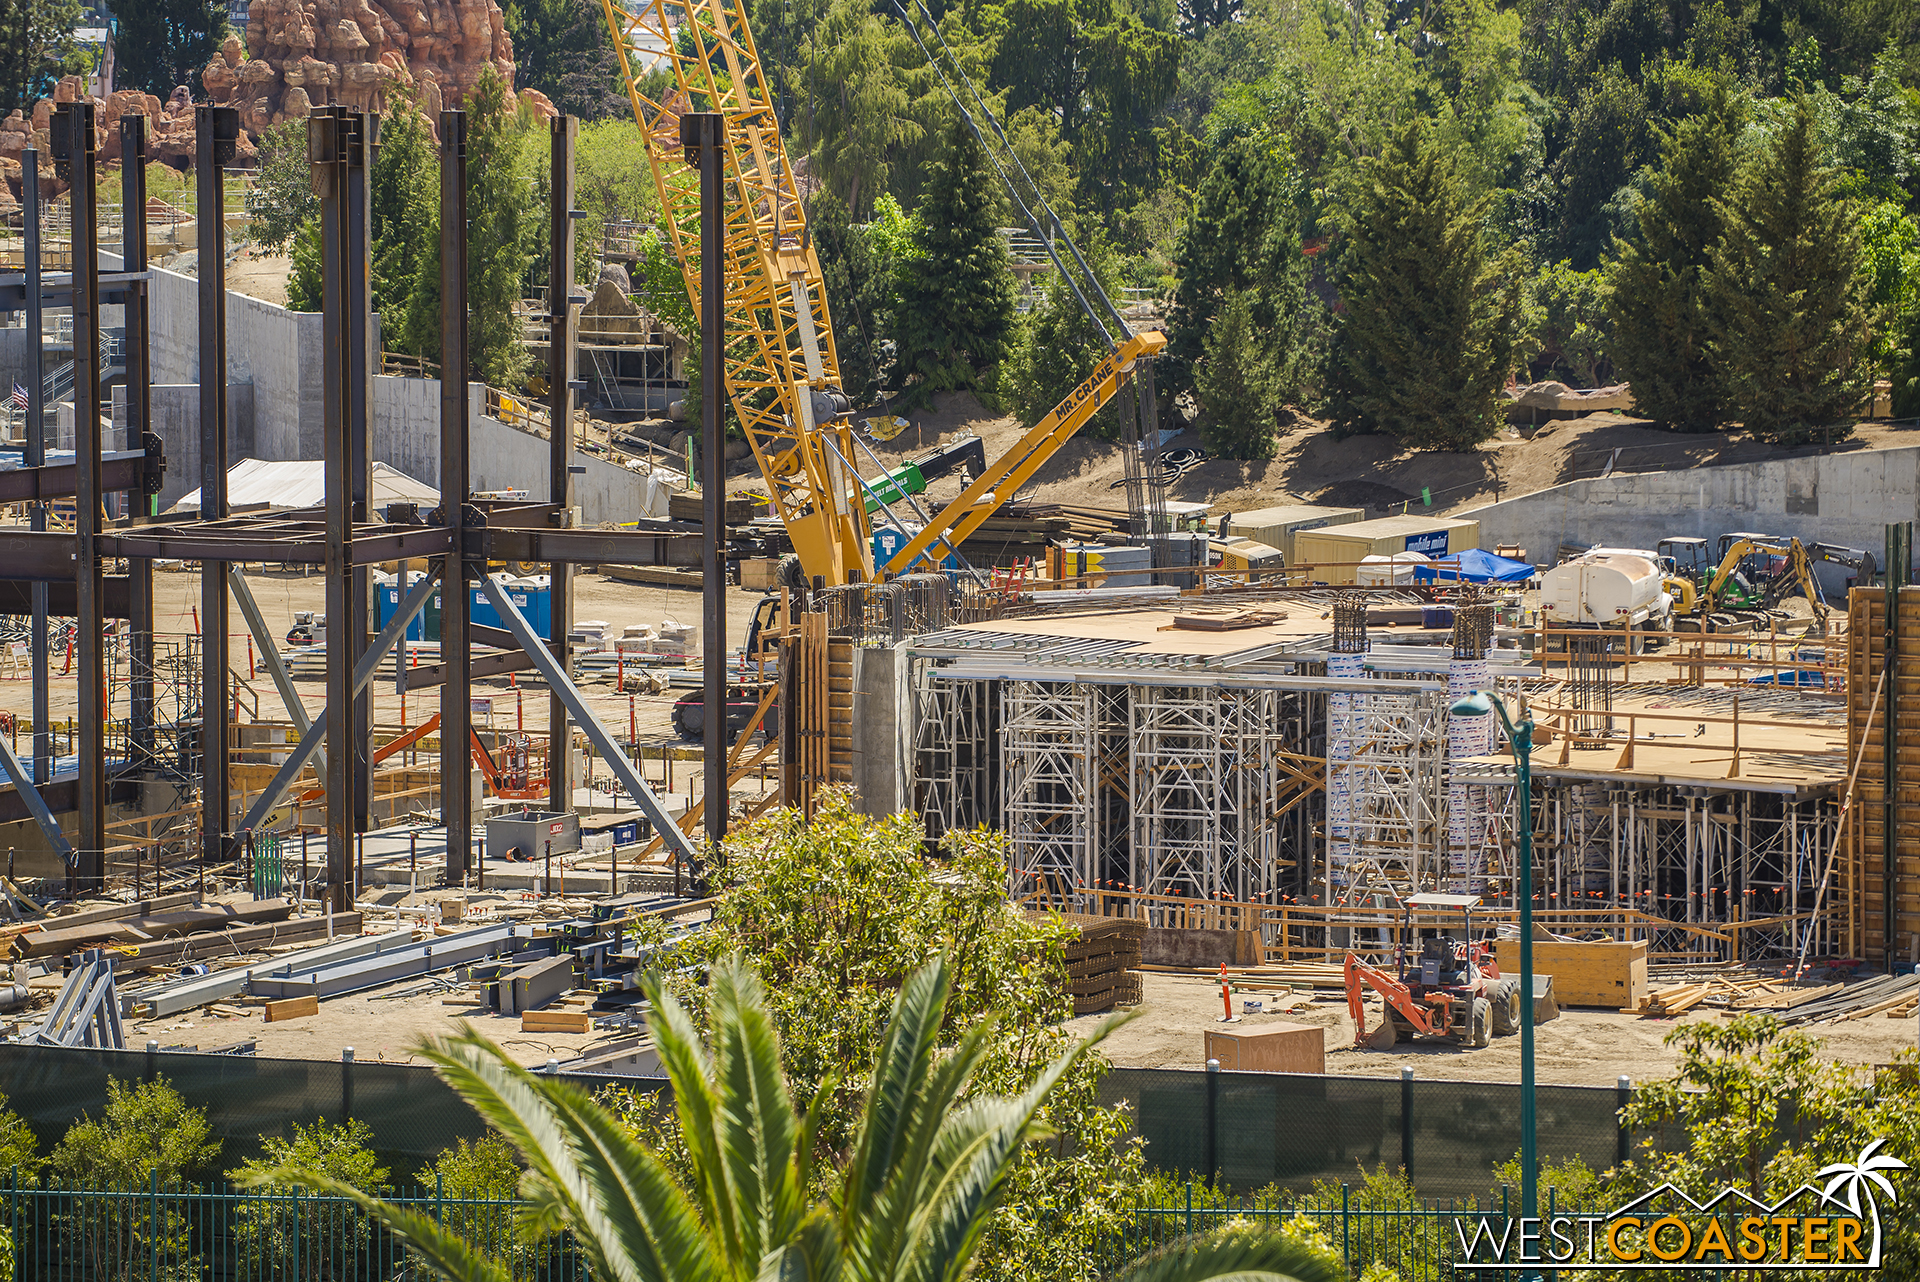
1450, 988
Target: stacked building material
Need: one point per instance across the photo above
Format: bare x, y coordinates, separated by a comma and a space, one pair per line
1102, 962
1024, 531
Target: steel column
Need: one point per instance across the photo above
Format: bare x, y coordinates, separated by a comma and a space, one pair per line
327, 146
36, 456
362, 138
456, 801
76, 131
215, 129
133, 252
560, 435
702, 133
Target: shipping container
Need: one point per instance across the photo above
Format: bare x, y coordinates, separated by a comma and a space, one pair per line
1277, 526
1341, 548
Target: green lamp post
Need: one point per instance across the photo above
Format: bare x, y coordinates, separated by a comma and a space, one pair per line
1520, 738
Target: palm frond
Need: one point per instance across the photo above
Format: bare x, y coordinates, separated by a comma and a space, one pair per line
444, 1252
1231, 1256
758, 1129
696, 1104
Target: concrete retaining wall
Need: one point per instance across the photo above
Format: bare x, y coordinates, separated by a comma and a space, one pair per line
1846, 499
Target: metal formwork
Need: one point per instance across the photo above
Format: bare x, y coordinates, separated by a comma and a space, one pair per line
1049, 745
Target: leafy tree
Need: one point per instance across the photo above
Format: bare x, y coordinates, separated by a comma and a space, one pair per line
1102, 72
1431, 321
280, 1235
281, 198
1242, 237
1570, 325
38, 48
405, 198
561, 48
1791, 327
1659, 306
161, 44
499, 214
930, 1158
146, 1135
1058, 349
19, 1150
1197, 17
860, 267
956, 295
146, 1130
480, 1185
612, 182
306, 283
1236, 385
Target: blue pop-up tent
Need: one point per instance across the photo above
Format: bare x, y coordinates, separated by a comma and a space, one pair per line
1473, 566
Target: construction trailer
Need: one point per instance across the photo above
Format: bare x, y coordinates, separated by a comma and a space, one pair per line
1277, 526
1336, 551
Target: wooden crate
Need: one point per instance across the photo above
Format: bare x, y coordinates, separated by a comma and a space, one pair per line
1609, 973
1269, 1048
759, 573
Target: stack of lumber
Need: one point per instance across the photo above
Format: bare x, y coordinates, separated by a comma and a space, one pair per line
1102, 962
1856, 1001
1720, 990
139, 924
1024, 531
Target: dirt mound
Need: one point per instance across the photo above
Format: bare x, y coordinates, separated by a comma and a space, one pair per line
1363, 494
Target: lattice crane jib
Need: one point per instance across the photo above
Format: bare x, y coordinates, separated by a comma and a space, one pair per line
780, 364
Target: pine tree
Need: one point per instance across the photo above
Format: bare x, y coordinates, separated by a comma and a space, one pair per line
1658, 306
1431, 323
1235, 384
1791, 323
1243, 236
162, 44
956, 309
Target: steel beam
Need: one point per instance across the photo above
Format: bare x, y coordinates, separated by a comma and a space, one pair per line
358, 974
703, 134
456, 708
18, 291
570, 546
560, 375
303, 752
269, 647
36, 804
303, 543
119, 470
75, 145
36, 456
58, 594
141, 491
364, 136
215, 129
162, 1000
639, 789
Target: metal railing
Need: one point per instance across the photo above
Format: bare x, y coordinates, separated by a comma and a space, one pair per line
170, 1232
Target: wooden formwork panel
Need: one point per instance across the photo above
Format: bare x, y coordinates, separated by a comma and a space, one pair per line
1876, 696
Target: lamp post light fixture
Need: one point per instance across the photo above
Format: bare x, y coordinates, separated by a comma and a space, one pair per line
1520, 739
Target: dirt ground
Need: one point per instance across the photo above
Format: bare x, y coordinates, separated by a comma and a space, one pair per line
1579, 1048
1312, 466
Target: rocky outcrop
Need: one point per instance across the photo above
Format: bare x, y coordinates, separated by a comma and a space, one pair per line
364, 54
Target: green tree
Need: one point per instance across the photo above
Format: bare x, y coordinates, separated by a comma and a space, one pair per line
1431, 320
1792, 332
162, 44
956, 295
279, 1235
405, 198
38, 48
930, 1159
281, 198
612, 183
479, 1183
860, 267
19, 1148
1058, 348
146, 1130
561, 48
1659, 308
1242, 237
1235, 385
147, 1135
1570, 326
306, 286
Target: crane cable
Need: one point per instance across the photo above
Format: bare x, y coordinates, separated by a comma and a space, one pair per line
1039, 196
1032, 222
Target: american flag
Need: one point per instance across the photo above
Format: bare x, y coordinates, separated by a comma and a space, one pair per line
19, 396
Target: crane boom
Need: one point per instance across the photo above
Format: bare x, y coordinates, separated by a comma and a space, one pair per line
781, 368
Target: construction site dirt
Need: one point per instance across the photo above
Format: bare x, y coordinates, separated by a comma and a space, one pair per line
1580, 1047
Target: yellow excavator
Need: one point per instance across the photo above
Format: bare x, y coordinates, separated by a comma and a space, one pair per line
781, 368
1731, 600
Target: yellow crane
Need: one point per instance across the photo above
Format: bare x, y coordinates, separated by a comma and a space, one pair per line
781, 369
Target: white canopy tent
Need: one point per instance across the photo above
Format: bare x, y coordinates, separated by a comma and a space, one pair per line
299, 483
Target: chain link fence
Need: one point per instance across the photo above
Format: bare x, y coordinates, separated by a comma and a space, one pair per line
1255, 1129
412, 1113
